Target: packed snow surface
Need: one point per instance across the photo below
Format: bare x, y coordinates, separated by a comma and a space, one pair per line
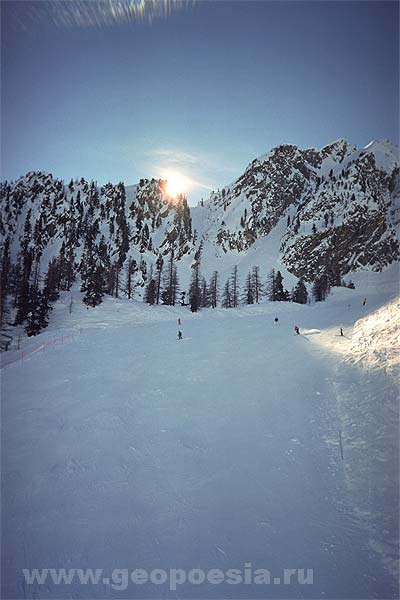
124, 448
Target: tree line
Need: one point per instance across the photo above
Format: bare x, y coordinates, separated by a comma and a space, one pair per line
31, 296
163, 287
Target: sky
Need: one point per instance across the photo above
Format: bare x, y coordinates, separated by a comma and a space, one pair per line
120, 90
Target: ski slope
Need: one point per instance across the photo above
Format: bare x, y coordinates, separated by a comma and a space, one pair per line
125, 448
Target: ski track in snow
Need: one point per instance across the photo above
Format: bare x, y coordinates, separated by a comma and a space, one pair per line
126, 448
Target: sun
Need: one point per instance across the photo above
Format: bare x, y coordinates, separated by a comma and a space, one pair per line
175, 184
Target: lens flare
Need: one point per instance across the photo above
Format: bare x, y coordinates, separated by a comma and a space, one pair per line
105, 13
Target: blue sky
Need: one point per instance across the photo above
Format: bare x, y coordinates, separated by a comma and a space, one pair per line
202, 91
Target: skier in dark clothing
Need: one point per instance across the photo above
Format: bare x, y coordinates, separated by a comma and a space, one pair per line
179, 335
276, 319
341, 331
179, 321
364, 301
297, 330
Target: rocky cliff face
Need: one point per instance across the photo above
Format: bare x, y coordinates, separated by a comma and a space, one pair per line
344, 221
340, 204
251, 207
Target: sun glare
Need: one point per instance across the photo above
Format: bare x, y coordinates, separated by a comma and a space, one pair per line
175, 184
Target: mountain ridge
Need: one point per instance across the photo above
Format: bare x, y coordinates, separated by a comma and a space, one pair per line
306, 212
262, 199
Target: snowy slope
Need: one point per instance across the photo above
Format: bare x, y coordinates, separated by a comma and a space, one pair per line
124, 448
376, 339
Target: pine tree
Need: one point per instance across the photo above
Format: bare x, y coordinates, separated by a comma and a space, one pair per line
94, 281
195, 289
95, 286
16, 282
24, 293
143, 268
235, 287
213, 290
281, 293
131, 269
52, 281
5, 274
248, 295
205, 295
299, 292
275, 290
66, 265
159, 267
36, 273
171, 283
257, 286
37, 317
113, 280
195, 284
151, 292
227, 295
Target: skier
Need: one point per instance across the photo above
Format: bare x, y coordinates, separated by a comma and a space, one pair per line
179, 335
276, 319
179, 321
341, 331
364, 301
297, 330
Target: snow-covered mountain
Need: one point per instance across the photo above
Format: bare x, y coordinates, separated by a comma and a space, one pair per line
338, 205
43, 217
306, 212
